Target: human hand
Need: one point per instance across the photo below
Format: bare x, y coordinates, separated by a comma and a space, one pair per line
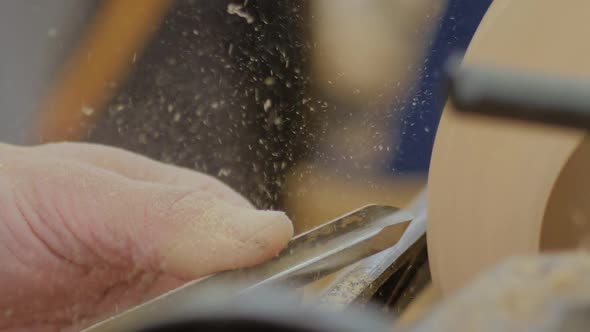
86, 230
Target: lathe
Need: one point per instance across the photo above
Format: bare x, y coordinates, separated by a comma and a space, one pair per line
495, 241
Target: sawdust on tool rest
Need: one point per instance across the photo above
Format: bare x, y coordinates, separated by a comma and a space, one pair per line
521, 294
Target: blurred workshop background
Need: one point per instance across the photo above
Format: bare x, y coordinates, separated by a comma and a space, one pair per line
315, 107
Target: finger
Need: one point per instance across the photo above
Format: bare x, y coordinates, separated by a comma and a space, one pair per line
181, 231
138, 167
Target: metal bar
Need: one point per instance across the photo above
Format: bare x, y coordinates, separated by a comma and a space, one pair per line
519, 95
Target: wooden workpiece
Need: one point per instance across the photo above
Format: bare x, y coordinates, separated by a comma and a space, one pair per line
499, 188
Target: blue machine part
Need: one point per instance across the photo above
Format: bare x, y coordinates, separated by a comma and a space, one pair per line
422, 110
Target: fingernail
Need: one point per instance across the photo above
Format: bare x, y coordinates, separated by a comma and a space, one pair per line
269, 230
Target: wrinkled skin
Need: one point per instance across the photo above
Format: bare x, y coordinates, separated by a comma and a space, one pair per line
86, 230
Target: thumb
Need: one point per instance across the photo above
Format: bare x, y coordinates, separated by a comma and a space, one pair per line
177, 230
209, 235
